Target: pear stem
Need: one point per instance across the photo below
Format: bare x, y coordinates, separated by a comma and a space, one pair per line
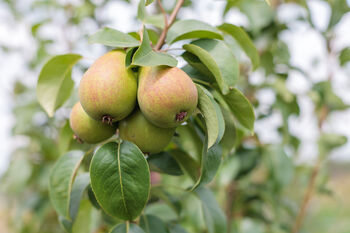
168, 23
79, 140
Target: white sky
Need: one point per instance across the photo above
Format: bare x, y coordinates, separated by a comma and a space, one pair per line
305, 46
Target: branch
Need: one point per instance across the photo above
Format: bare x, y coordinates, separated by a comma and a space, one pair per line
307, 197
163, 12
312, 181
168, 24
231, 195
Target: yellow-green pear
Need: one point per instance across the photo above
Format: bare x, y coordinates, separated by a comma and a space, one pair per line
108, 89
148, 137
87, 129
167, 96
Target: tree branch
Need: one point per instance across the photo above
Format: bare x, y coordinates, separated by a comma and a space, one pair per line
163, 12
307, 197
231, 195
168, 24
312, 182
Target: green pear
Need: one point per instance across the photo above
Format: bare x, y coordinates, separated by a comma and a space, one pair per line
148, 137
87, 129
108, 89
166, 96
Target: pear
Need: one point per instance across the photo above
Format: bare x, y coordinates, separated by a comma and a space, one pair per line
148, 137
87, 129
166, 96
108, 89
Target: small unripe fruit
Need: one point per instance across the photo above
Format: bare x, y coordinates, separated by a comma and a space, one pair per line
167, 96
87, 129
148, 137
108, 89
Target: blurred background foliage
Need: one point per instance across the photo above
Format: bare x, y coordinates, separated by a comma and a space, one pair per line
261, 186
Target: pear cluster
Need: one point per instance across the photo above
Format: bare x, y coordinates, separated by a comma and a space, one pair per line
145, 107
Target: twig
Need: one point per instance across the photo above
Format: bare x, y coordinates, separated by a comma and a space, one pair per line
312, 182
168, 24
163, 12
307, 197
231, 193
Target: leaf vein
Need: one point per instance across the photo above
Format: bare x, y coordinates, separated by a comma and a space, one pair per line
121, 181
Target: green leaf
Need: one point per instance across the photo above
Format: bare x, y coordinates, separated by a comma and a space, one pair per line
65, 224
162, 210
145, 56
229, 138
243, 40
228, 171
327, 96
127, 228
248, 159
281, 166
153, 36
212, 114
329, 141
241, 108
80, 184
87, 219
344, 56
190, 29
55, 84
156, 20
129, 55
258, 13
211, 159
141, 11
186, 162
176, 229
92, 198
61, 181
152, 224
339, 9
35, 27
114, 38
219, 60
163, 162
149, 2
170, 200
65, 138
189, 141
193, 72
214, 217
120, 179
135, 35
18, 173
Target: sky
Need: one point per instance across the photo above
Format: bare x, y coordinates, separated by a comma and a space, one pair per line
305, 46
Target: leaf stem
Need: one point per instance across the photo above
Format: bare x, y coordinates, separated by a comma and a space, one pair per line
168, 23
202, 82
127, 226
141, 31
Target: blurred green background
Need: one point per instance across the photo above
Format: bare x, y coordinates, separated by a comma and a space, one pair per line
300, 94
